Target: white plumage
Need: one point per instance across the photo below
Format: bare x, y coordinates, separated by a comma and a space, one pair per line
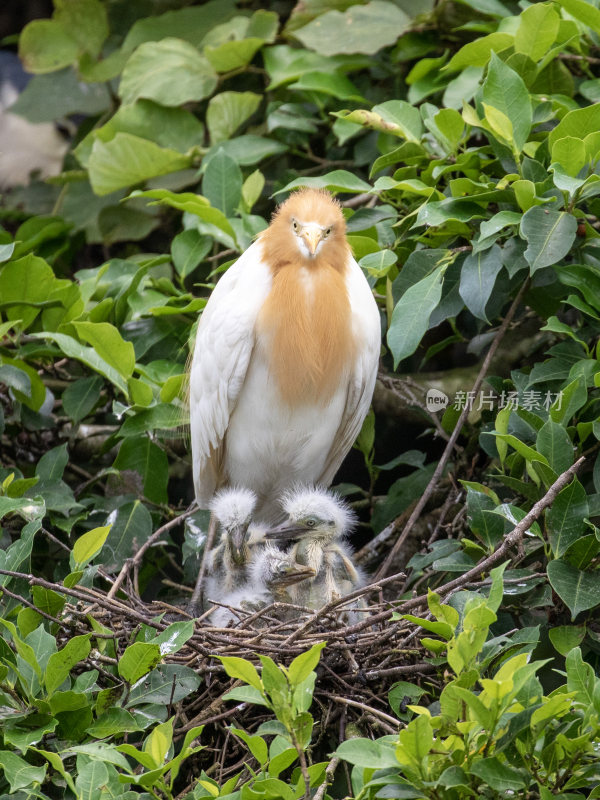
255, 423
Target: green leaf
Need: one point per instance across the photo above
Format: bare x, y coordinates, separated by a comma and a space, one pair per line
80, 397
505, 91
222, 183
241, 669
256, 745
565, 637
368, 754
168, 683
194, 203
581, 678
550, 235
488, 527
131, 526
578, 590
477, 278
90, 777
333, 84
52, 464
246, 694
24, 286
577, 123
537, 31
45, 46
71, 348
232, 55
191, 23
477, 53
113, 722
109, 344
60, 664
553, 442
158, 743
497, 775
570, 153
188, 250
19, 773
584, 11
396, 117
366, 29
86, 21
340, 180
566, 517
88, 545
172, 128
410, 318
304, 664
171, 72
138, 660
174, 637
150, 462
228, 111
127, 160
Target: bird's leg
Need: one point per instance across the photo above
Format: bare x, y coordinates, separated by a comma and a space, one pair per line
195, 605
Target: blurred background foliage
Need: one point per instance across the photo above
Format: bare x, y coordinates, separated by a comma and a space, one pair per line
462, 139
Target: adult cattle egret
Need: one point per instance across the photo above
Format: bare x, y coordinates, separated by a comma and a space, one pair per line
285, 359
319, 521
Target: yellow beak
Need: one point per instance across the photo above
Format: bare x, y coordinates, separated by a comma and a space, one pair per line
312, 235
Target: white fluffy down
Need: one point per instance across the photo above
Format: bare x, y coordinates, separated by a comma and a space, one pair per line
302, 501
233, 506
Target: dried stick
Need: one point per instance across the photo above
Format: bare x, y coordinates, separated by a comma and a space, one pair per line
329, 773
455, 434
137, 558
368, 709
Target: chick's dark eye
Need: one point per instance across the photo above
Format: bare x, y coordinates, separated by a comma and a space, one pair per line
328, 231
295, 225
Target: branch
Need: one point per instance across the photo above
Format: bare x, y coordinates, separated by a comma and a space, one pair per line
329, 773
452, 441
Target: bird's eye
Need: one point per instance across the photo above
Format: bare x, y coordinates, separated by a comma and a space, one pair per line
328, 231
310, 522
295, 225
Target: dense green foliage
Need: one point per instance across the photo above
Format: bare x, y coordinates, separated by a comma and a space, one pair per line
465, 145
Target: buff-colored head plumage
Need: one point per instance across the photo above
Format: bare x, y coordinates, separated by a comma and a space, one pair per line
308, 228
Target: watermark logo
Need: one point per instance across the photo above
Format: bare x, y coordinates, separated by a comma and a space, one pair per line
436, 400
529, 400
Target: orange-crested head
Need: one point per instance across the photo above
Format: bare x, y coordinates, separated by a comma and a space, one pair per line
308, 229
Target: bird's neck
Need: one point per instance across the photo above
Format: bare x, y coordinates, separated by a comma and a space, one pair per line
306, 327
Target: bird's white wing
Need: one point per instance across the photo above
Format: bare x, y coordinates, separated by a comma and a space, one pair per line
367, 332
222, 352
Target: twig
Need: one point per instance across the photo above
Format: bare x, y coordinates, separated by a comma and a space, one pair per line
328, 780
455, 434
368, 709
137, 558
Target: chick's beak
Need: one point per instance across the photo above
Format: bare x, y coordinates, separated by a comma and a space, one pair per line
312, 235
293, 575
237, 540
287, 530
